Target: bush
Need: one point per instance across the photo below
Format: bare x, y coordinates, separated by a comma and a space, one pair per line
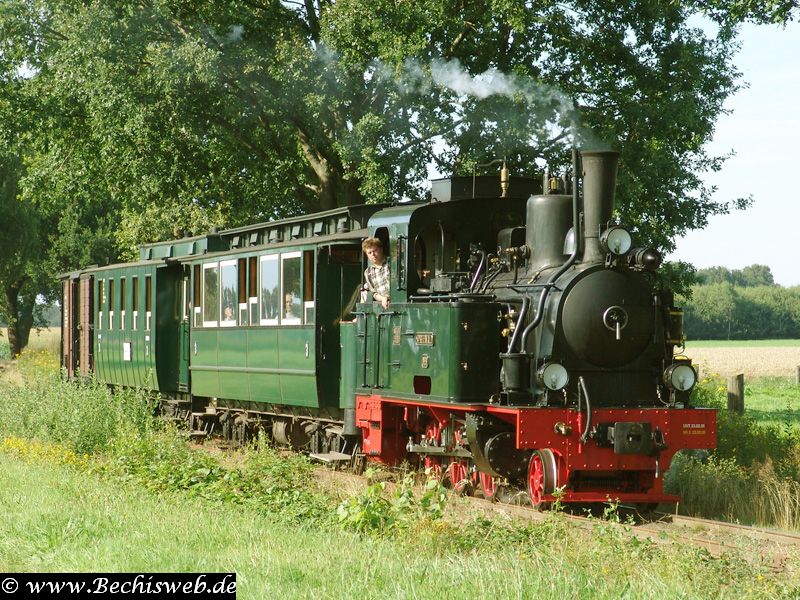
377, 511
753, 476
85, 418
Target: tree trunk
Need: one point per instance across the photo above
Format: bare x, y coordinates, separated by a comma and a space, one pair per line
20, 318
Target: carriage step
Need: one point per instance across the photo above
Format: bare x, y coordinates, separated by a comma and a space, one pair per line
204, 415
332, 457
197, 433
170, 419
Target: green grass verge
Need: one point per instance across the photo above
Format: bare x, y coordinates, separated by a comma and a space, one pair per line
773, 401
94, 484
61, 518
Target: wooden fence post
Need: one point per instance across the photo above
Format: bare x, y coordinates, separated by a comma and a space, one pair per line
736, 393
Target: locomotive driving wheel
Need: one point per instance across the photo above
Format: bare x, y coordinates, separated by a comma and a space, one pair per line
542, 477
489, 485
457, 476
433, 467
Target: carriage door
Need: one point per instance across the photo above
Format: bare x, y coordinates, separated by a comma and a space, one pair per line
185, 299
86, 325
70, 337
338, 283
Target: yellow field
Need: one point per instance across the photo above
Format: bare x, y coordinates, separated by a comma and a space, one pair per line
753, 361
48, 338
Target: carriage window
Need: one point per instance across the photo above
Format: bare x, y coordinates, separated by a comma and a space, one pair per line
185, 299
148, 301
252, 290
101, 295
242, 291
270, 303
210, 295
229, 297
196, 297
308, 286
291, 289
135, 303
122, 302
110, 304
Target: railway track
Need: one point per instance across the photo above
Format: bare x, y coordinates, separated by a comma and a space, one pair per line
716, 537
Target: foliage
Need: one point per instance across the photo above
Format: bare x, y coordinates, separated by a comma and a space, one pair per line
731, 12
750, 276
84, 418
742, 304
752, 476
720, 488
142, 121
374, 511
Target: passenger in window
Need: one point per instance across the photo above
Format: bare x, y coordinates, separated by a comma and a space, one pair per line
289, 307
376, 276
228, 312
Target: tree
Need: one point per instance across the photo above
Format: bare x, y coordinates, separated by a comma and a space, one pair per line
751, 276
38, 239
160, 116
710, 315
713, 275
754, 275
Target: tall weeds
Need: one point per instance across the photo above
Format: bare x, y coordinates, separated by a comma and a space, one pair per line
752, 477
86, 418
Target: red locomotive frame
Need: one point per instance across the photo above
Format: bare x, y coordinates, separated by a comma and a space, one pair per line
586, 471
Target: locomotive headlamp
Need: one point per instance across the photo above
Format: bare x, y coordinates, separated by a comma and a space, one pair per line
645, 258
553, 376
680, 377
616, 240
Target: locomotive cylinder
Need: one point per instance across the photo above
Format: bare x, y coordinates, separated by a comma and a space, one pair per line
599, 183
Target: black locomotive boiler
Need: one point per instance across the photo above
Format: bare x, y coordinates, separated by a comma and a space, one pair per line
525, 343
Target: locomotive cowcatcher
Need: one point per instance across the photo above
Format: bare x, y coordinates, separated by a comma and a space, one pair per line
525, 343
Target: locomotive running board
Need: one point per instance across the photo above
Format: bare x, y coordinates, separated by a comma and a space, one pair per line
332, 457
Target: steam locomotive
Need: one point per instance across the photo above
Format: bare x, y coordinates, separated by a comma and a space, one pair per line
525, 343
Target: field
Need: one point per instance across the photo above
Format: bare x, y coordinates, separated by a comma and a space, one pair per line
754, 358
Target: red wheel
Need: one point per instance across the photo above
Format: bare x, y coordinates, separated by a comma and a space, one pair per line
488, 485
433, 467
458, 476
542, 475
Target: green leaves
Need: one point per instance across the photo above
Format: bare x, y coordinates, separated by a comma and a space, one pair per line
133, 120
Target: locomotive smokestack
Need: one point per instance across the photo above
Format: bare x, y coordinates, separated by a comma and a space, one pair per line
599, 182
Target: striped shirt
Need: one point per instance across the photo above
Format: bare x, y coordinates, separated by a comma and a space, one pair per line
377, 279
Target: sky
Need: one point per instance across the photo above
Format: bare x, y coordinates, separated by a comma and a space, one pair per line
764, 132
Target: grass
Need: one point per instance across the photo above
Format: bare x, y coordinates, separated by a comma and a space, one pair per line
753, 476
773, 401
61, 517
92, 484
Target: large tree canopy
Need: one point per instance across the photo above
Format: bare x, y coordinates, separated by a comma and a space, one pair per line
133, 120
